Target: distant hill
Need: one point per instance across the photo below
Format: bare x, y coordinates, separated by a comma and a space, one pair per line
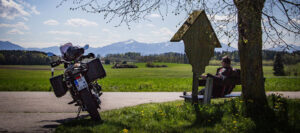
139, 47
225, 48
291, 49
148, 48
133, 46
53, 49
6, 45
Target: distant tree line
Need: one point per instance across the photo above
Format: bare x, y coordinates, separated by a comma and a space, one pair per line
287, 58
21, 57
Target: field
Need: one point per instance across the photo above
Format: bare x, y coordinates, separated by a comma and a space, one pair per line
176, 77
221, 116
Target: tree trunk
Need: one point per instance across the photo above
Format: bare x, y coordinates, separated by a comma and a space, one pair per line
250, 50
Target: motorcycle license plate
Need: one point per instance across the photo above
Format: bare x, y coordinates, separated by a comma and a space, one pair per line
80, 83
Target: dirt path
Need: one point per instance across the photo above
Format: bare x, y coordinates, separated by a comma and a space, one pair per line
42, 111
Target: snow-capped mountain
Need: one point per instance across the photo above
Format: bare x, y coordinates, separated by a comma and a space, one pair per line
132, 46
139, 47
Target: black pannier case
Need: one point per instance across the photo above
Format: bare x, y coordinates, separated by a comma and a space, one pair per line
95, 70
58, 85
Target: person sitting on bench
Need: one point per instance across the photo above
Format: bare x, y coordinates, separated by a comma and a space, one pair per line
223, 82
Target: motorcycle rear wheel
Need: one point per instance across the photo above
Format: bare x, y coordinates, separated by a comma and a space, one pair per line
90, 103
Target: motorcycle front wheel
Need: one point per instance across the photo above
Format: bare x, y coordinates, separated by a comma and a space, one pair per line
90, 104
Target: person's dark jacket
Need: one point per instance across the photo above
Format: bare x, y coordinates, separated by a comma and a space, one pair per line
219, 87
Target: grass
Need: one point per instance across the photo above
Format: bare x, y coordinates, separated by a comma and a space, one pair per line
176, 77
221, 116
292, 70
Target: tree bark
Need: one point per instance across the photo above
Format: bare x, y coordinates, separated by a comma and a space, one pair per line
250, 51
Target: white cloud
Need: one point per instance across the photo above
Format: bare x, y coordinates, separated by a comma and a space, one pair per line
156, 35
296, 20
93, 37
9, 9
217, 17
25, 19
15, 31
80, 22
106, 30
64, 32
61, 39
150, 25
19, 25
163, 32
34, 11
51, 22
154, 15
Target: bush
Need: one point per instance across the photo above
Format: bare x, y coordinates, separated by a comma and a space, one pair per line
151, 65
107, 61
124, 66
278, 66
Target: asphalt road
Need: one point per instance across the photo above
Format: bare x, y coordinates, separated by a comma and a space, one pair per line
42, 111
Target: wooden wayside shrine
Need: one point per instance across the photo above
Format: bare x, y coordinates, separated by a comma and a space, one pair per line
200, 41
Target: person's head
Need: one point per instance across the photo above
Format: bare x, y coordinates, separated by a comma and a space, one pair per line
226, 61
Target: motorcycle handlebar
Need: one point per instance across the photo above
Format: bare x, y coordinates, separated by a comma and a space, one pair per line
90, 55
57, 63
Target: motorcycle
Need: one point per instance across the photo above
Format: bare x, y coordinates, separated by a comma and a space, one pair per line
79, 78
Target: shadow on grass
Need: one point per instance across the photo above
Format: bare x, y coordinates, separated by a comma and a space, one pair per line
66, 121
82, 121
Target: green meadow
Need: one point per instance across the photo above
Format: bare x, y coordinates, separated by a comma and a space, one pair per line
175, 77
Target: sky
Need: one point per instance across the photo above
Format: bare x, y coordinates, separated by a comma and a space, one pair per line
39, 23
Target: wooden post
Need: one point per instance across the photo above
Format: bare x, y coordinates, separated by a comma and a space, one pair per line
195, 88
200, 41
208, 90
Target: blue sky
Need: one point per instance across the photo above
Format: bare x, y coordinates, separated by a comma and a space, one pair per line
38, 23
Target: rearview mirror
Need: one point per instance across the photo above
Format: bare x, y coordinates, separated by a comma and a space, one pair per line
86, 47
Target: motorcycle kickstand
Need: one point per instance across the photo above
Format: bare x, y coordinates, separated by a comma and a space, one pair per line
78, 112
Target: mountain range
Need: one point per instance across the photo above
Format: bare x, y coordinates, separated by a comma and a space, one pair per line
132, 46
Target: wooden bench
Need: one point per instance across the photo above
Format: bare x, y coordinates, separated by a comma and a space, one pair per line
208, 83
